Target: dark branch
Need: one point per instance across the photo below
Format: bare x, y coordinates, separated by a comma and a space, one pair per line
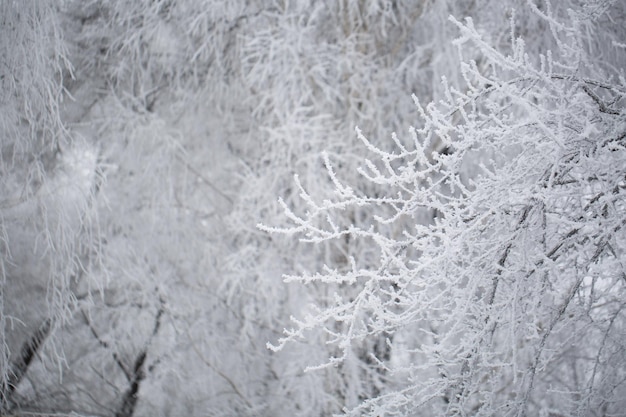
27, 353
105, 345
602, 106
20, 366
129, 400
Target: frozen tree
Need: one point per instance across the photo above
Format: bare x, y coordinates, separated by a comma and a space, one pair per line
48, 182
493, 267
148, 329
334, 65
93, 184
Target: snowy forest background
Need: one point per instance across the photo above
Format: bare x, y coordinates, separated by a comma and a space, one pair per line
181, 180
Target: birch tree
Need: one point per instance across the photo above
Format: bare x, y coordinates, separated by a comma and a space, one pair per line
48, 182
